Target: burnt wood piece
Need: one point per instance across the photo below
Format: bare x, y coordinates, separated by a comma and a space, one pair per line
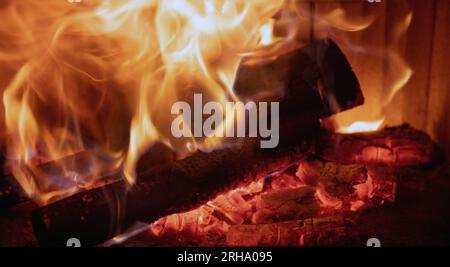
295, 76
395, 146
337, 179
285, 204
96, 215
358, 186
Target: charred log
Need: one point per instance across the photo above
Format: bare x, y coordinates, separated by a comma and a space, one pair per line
397, 147
338, 179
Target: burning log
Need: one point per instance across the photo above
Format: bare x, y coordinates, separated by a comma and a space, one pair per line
397, 147
299, 70
187, 183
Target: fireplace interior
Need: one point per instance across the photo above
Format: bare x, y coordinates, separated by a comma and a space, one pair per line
364, 124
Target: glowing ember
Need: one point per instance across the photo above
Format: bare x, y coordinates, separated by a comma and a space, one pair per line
253, 213
326, 200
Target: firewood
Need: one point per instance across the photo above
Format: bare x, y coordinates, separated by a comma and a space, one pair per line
384, 182
302, 68
185, 184
396, 146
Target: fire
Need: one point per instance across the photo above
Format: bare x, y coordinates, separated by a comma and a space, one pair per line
98, 76
340, 20
361, 126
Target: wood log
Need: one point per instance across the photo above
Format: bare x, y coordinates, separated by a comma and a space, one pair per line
96, 215
291, 73
395, 146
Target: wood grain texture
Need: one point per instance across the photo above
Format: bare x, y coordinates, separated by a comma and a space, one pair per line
438, 118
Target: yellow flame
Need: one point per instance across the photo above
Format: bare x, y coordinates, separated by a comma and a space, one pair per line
361, 126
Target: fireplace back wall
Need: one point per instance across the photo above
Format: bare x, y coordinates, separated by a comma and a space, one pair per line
422, 101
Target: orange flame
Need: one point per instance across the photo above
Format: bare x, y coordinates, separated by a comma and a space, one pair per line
100, 76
